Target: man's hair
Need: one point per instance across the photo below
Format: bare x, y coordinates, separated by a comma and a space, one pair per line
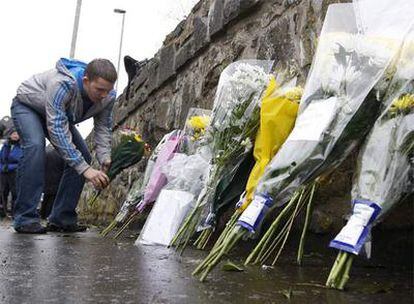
101, 68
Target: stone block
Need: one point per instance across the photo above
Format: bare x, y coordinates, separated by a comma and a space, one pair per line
120, 115
153, 69
183, 55
140, 78
199, 37
163, 114
132, 104
289, 3
248, 4
231, 10
183, 103
216, 18
235, 8
166, 67
277, 43
197, 6
175, 33
196, 41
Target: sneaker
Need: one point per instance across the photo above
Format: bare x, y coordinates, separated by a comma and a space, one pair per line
68, 228
34, 228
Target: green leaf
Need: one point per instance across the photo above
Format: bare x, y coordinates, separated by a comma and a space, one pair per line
230, 266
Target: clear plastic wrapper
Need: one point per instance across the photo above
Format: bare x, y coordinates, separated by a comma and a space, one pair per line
234, 124
339, 106
158, 180
240, 87
186, 172
228, 140
186, 176
385, 166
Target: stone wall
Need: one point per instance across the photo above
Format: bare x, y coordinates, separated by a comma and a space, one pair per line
185, 71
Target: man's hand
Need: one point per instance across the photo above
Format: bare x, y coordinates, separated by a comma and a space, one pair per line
98, 178
105, 166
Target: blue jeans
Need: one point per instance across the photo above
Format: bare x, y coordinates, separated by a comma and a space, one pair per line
31, 127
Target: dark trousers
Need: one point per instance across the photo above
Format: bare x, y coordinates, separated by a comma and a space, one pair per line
31, 171
7, 186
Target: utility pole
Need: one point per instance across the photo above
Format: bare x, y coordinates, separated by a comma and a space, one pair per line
75, 29
120, 11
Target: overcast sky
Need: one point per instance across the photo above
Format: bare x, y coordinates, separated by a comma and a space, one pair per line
36, 33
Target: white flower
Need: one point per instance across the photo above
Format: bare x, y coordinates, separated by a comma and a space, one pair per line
247, 143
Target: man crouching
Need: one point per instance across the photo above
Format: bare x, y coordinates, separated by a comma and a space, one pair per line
49, 105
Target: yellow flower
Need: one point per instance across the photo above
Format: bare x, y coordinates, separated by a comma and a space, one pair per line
198, 122
294, 94
403, 103
138, 138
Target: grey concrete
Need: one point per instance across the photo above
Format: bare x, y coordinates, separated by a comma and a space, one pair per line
85, 268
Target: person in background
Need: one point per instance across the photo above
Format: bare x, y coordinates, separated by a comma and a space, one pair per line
54, 170
10, 155
49, 105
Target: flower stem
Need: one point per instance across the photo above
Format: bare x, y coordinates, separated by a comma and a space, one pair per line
333, 269
127, 223
234, 237
262, 245
229, 227
339, 271
345, 276
306, 225
291, 220
264, 255
188, 226
109, 228
210, 257
94, 197
203, 239
189, 232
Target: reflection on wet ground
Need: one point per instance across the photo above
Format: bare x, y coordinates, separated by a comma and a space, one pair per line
86, 268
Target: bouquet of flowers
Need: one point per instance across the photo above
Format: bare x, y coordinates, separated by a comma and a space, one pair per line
278, 112
196, 124
186, 176
234, 123
338, 108
136, 192
158, 179
154, 180
277, 117
385, 167
126, 153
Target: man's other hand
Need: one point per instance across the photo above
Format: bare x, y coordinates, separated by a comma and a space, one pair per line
98, 178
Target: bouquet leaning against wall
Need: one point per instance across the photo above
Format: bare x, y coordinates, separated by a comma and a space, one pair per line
385, 168
234, 123
146, 190
136, 193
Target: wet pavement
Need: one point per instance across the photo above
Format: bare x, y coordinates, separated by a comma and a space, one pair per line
86, 268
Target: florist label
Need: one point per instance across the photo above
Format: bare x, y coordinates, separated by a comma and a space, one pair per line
252, 212
353, 235
314, 120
